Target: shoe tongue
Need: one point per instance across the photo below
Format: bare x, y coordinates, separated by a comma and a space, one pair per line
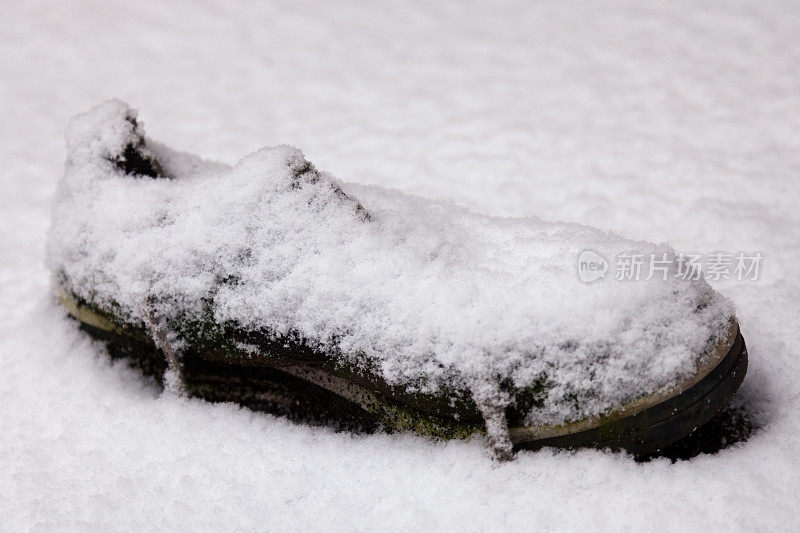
287, 171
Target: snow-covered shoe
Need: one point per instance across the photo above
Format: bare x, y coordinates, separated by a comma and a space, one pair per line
272, 284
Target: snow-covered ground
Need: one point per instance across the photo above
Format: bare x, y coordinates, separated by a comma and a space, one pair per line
672, 122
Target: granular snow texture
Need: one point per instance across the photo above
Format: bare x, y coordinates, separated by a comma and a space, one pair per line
671, 122
427, 294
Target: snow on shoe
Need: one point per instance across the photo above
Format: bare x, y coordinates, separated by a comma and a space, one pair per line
426, 294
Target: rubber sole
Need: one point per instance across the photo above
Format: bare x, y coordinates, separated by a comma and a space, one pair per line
310, 394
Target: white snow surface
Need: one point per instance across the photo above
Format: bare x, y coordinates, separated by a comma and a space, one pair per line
429, 293
671, 122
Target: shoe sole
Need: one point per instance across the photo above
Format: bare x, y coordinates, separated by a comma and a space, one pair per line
308, 392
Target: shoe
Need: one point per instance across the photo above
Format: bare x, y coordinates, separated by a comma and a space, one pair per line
276, 286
